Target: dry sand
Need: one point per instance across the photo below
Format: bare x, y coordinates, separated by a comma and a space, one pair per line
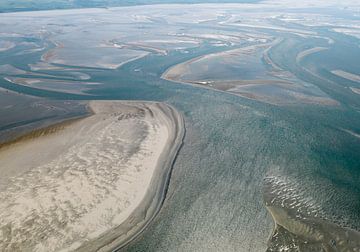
67, 185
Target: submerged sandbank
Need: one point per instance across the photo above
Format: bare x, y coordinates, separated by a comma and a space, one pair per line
70, 185
301, 223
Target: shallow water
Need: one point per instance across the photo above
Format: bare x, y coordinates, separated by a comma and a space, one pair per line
233, 146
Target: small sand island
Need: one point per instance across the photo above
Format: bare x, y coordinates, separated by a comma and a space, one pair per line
88, 183
243, 72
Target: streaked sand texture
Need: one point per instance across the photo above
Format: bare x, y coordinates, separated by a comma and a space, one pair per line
68, 184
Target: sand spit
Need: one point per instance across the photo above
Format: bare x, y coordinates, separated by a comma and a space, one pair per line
72, 186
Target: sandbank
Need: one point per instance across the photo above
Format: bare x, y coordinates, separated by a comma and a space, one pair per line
66, 187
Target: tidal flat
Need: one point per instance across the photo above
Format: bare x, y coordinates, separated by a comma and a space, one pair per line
270, 158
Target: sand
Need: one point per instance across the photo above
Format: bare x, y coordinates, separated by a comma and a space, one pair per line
176, 72
355, 90
308, 52
96, 57
64, 86
283, 90
347, 75
67, 185
300, 222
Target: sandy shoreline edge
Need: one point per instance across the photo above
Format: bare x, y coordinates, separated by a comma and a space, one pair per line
154, 132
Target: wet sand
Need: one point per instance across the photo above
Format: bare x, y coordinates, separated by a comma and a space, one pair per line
70, 186
355, 90
296, 232
275, 91
30, 112
299, 225
64, 86
176, 72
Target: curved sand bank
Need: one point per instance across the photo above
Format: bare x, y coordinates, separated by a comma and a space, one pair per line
90, 182
276, 87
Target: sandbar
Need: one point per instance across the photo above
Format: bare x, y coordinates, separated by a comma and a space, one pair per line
347, 75
65, 186
281, 90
